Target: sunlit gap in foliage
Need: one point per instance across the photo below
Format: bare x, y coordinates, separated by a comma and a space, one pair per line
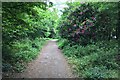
59, 5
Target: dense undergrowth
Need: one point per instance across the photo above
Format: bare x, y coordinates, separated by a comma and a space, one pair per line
96, 60
20, 53
25, 28
87, 32
89, 38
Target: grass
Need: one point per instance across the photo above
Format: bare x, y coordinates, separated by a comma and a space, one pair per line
21, 52
94, 60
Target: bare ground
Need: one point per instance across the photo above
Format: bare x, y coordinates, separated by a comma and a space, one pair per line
49, 64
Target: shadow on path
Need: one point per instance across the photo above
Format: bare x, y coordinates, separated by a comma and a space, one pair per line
49, 64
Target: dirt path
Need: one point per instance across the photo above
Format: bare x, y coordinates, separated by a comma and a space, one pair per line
50, 64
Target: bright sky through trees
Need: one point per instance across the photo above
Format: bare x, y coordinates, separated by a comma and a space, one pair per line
59, 4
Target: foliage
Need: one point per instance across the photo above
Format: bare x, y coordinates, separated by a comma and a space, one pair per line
23, 20
85, 24
21, 52
89, 39
62, 43
94, 60
26, 20
17, 24
106, 20
86, 33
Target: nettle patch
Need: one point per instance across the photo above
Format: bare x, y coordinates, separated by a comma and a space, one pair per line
80, 24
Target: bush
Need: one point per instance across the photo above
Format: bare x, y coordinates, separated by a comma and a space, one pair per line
89, 22
94, 60
90, 30
78, 24
62, 43
100, 72
21, 21
21, 53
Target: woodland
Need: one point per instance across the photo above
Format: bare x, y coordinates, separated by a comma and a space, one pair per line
87, 35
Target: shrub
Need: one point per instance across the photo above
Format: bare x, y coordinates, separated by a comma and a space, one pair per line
78, 24
22, 52
94, 60
89, 22
62, 43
